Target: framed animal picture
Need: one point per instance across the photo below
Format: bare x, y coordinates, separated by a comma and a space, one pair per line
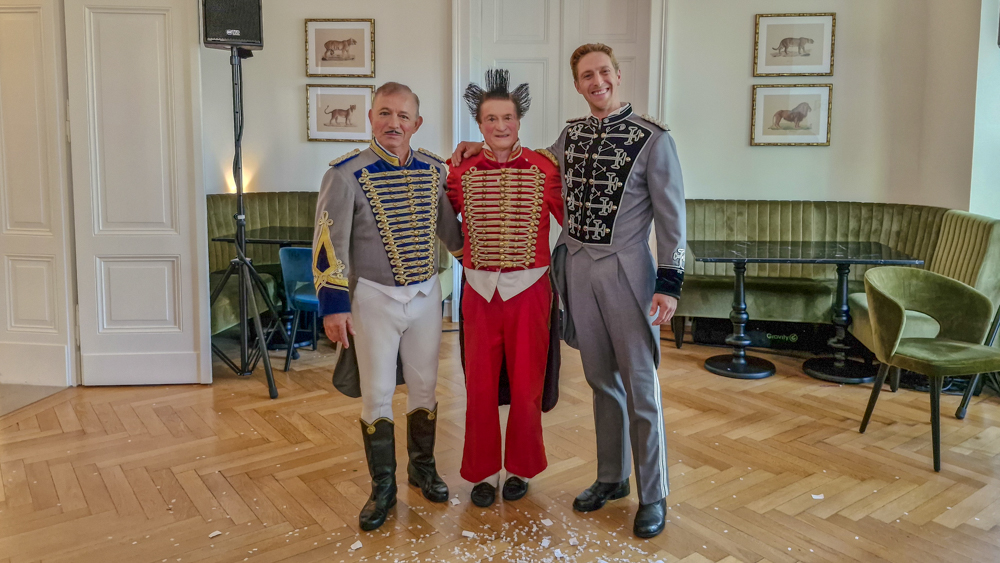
340, 48
338, 113
791, 115
794, 44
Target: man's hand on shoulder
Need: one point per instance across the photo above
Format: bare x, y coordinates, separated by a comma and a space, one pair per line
663, 307
464, 150
337, 326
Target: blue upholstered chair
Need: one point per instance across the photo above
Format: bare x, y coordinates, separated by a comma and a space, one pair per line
296, 269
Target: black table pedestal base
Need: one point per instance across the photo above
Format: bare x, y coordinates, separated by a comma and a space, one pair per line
851, 372
751, 368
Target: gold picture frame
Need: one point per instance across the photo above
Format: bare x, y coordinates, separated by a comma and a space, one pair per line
791, 115
340, 48
348, 118
782, 43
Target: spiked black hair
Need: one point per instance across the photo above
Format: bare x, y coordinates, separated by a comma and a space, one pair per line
497, 88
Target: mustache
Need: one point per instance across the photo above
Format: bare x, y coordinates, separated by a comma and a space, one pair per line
396, 131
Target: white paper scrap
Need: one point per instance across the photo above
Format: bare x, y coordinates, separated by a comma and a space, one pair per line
214, 534
356, 545
455, 501
545, 542
574, 541
547, 522
818, 497
559, 553
468, 534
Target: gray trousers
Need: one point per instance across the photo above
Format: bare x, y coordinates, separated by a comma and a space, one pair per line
616, 345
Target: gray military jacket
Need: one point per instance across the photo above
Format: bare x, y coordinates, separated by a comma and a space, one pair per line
621, 175
378, 219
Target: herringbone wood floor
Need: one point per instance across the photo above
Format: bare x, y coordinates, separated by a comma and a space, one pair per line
146, 474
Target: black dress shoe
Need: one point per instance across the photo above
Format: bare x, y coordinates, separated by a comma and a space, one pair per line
483, 495
650, 518
598, 494
514, 488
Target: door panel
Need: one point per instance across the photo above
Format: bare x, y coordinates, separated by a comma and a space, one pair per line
37, 343
141, 235
522, 36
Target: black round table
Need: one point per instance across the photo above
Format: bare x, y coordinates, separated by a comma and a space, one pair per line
838, 367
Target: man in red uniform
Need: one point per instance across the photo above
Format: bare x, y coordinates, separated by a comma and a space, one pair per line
505, 195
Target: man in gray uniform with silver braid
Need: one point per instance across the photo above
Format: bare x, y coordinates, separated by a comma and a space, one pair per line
378, 218
620, 175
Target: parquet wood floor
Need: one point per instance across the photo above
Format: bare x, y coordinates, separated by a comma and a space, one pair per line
772, 470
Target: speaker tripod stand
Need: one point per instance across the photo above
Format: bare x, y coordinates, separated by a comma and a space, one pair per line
241, 266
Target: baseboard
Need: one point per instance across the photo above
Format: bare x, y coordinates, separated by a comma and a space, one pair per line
140, 369
35, 364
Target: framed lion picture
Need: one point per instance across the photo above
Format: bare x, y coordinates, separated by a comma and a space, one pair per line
791, 115
340, 48
794, 44
338, 113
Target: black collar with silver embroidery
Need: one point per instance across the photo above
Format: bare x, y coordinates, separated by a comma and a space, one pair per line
599, 155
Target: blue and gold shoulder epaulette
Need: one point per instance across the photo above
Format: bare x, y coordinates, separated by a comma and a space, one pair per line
655, 121
344, 158
575, 119
432, 155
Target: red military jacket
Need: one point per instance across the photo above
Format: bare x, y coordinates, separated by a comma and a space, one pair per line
505, 208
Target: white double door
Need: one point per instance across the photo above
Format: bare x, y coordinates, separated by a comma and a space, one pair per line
534, 39
121, 85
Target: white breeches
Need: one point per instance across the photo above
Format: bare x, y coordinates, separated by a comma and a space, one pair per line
384, 327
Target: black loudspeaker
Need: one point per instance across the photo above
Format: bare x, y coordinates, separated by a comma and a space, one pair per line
233, 23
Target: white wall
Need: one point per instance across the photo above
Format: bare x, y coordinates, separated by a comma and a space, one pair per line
903, 102
412, 46
985, 196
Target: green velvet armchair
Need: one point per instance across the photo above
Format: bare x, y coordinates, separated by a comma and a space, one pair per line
963, 315
967, 250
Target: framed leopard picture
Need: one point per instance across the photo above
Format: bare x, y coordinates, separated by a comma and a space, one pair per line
794, 44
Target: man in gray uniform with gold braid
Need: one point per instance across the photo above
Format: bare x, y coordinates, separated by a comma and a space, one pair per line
379, 214
621, 174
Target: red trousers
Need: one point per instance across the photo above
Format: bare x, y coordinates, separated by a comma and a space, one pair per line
518, 330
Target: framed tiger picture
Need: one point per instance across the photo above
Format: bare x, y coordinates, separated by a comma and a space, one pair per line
794, 44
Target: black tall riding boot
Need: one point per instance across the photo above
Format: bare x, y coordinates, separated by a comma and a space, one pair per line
422, 426
380, 449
